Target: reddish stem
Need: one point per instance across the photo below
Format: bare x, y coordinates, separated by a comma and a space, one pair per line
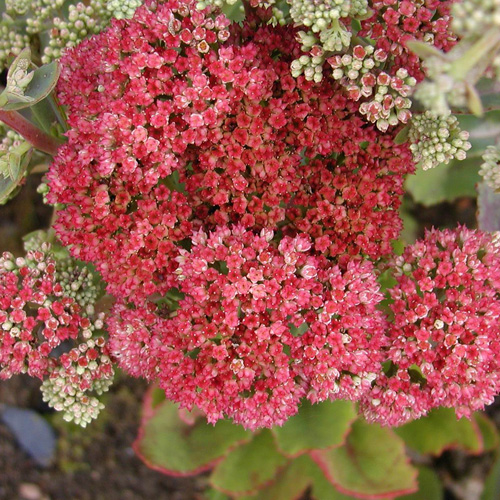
38, 138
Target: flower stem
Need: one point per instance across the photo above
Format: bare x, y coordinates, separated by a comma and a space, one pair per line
461, 67
35, 136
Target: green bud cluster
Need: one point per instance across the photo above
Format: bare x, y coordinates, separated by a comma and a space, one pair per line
122, 9
490, 168
436, 139
334, 39
41, 13
73, 388
17, 7
309, 65
319, 15
11, 41
474, 17
78, 282
82, 21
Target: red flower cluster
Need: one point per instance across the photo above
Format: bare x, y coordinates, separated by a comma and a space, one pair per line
35, 315
444, 346
259, 327
395, 22
170, 134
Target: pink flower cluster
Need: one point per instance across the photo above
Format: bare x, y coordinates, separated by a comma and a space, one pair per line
444, 345
37, 317
260, 326
395, 22
170, 134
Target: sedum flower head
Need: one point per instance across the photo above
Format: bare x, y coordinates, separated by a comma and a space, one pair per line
436, 139
260, 326
141, 172
444, 347
490, 168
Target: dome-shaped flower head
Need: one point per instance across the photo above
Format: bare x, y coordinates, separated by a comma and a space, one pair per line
444, 340
260, 326
178, 121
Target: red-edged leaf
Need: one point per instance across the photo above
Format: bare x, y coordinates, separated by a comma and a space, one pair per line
324, 425
489, 432
170, 445
290, 483
249, 467
429, 486
371, 464
440, 431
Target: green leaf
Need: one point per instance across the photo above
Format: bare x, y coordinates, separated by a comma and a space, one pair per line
13, 167
319, 426
429, 486
290, 483
439, 431
249, 467
235, 12
371, 464
489, 432
42, 81
168, 444
444, 182
489, 90
402, 135
488, 208
212, 494
424, 50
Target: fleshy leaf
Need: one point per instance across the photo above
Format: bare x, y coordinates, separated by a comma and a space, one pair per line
429, 486
40, 83
489, 90
319, 426
489, 432
488, 203
290, 483
249, 467
212, 494
13, 166
424, 50
402, 135
439, 431
371, 464
444, 182
168, 444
